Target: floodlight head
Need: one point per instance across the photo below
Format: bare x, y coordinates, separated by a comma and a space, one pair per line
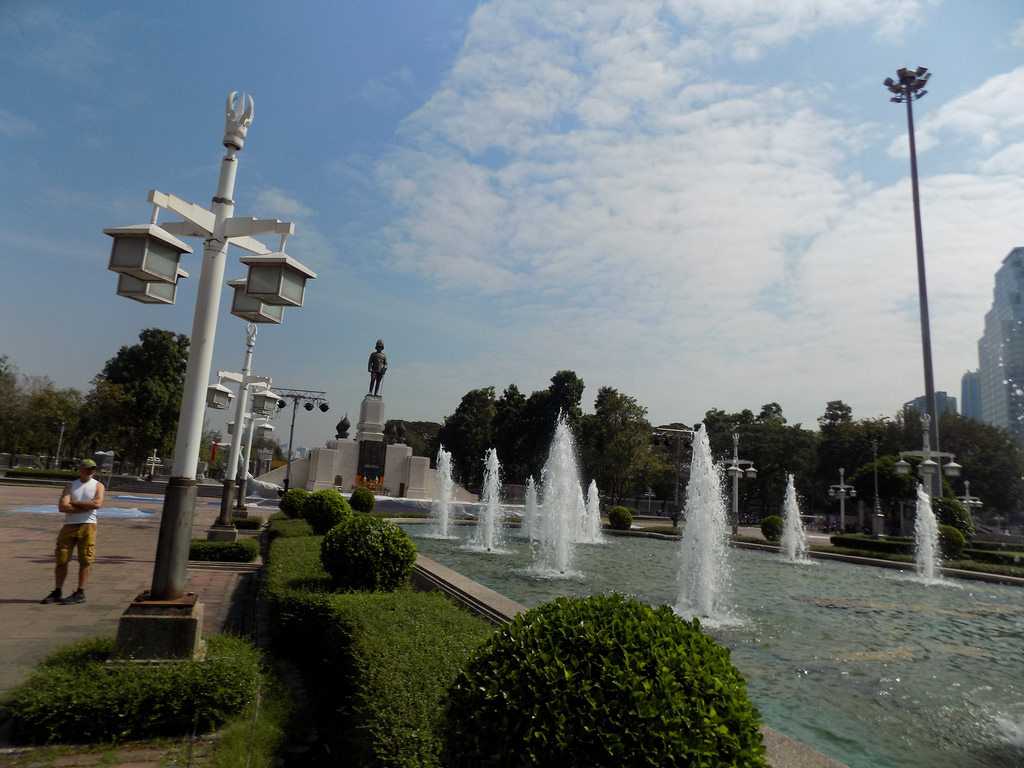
920, 71
889, 83
325, 407
282, 403
902, 467
308, 406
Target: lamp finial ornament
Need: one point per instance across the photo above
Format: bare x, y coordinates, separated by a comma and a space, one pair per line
237, 118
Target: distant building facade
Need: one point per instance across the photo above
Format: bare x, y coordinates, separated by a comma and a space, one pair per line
970, 395
1001, 349
944, 403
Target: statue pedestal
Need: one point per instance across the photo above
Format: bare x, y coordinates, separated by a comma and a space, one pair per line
371, 419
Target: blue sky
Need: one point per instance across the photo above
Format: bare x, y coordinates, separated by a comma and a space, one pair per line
704, 204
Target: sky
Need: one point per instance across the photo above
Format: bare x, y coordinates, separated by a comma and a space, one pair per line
702, 203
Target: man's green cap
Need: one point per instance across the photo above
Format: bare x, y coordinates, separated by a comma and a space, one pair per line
87, 464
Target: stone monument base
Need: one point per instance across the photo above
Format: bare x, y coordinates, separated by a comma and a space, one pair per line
161, 629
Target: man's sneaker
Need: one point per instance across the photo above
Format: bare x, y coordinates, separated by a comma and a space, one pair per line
78, 596
53, 597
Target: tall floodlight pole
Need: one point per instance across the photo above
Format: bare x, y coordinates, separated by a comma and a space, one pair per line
910, 87
60, 443
309, 398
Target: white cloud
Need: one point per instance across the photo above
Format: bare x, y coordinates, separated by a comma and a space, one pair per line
1008, 160
696, 242
985, 116
279, 203
12, 125
1017, 36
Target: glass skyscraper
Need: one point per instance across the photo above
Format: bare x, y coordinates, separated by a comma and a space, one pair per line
1001, 349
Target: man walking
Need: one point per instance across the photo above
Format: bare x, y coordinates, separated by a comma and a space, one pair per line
78, 503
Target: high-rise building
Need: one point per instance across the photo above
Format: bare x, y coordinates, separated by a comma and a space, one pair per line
944, 403
970, 395
1001, 349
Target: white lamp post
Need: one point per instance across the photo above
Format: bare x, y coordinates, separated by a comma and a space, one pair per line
736, 471
842, 491
243, 479
150, 253
929, 469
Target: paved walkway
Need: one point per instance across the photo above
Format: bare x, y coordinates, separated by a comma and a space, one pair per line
124, 564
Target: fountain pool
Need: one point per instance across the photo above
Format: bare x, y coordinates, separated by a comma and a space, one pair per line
869, 666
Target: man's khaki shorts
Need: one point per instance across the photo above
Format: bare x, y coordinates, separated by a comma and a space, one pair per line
82, 535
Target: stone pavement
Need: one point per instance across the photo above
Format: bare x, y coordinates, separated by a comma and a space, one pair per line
124, 563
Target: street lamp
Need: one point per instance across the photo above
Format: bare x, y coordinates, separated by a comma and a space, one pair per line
931, 471
906, 89
842, 491
879, 519
739, 468
310, 398
150, 253
667, 433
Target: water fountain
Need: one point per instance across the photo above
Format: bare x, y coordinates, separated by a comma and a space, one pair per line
559, 521
794, 539
590, 532
530, 522
489, 534
705, 577
440, 510
927, 555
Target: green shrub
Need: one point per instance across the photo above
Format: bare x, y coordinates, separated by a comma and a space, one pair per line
362, 500
951, 541
890, 545
995, 546
247, 523
75, 696
950, 511
620, 518
376, 664
368, 553
325, 509
771, 527
241, 551
601, 681
293, 501
999, 557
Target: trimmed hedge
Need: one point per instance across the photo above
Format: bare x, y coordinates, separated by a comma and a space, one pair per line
601, 681
892, 545
999, 557
325, 509
620, 518
995, 546
377, 665
951, 541
362, 500
247, 523
293, 501
42, 474
951, 511
284, 527
771, 528
241, 551
368, 553
75, 696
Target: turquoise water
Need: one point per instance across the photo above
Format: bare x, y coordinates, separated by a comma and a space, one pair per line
864, 664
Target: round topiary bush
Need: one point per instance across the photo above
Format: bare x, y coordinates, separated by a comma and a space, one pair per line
601, 681
951, 541
293, 501
771, 527
951, 511
620, 518
362, 500
324, 509
367, 553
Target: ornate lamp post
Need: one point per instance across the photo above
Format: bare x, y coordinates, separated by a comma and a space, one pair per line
739, 468
149, 253
667, 434
930, 471
842, 491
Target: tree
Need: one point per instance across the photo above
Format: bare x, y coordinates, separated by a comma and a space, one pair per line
837, 413
468, 433
508, 434
615, 441
991, 459
151, 377
771, 413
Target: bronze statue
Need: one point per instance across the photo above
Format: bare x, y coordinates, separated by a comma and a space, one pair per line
377, 367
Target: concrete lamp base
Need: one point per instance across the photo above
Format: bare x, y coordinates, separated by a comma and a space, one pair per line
161, 629
222, 533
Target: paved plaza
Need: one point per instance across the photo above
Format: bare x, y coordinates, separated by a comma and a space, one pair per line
124, 563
